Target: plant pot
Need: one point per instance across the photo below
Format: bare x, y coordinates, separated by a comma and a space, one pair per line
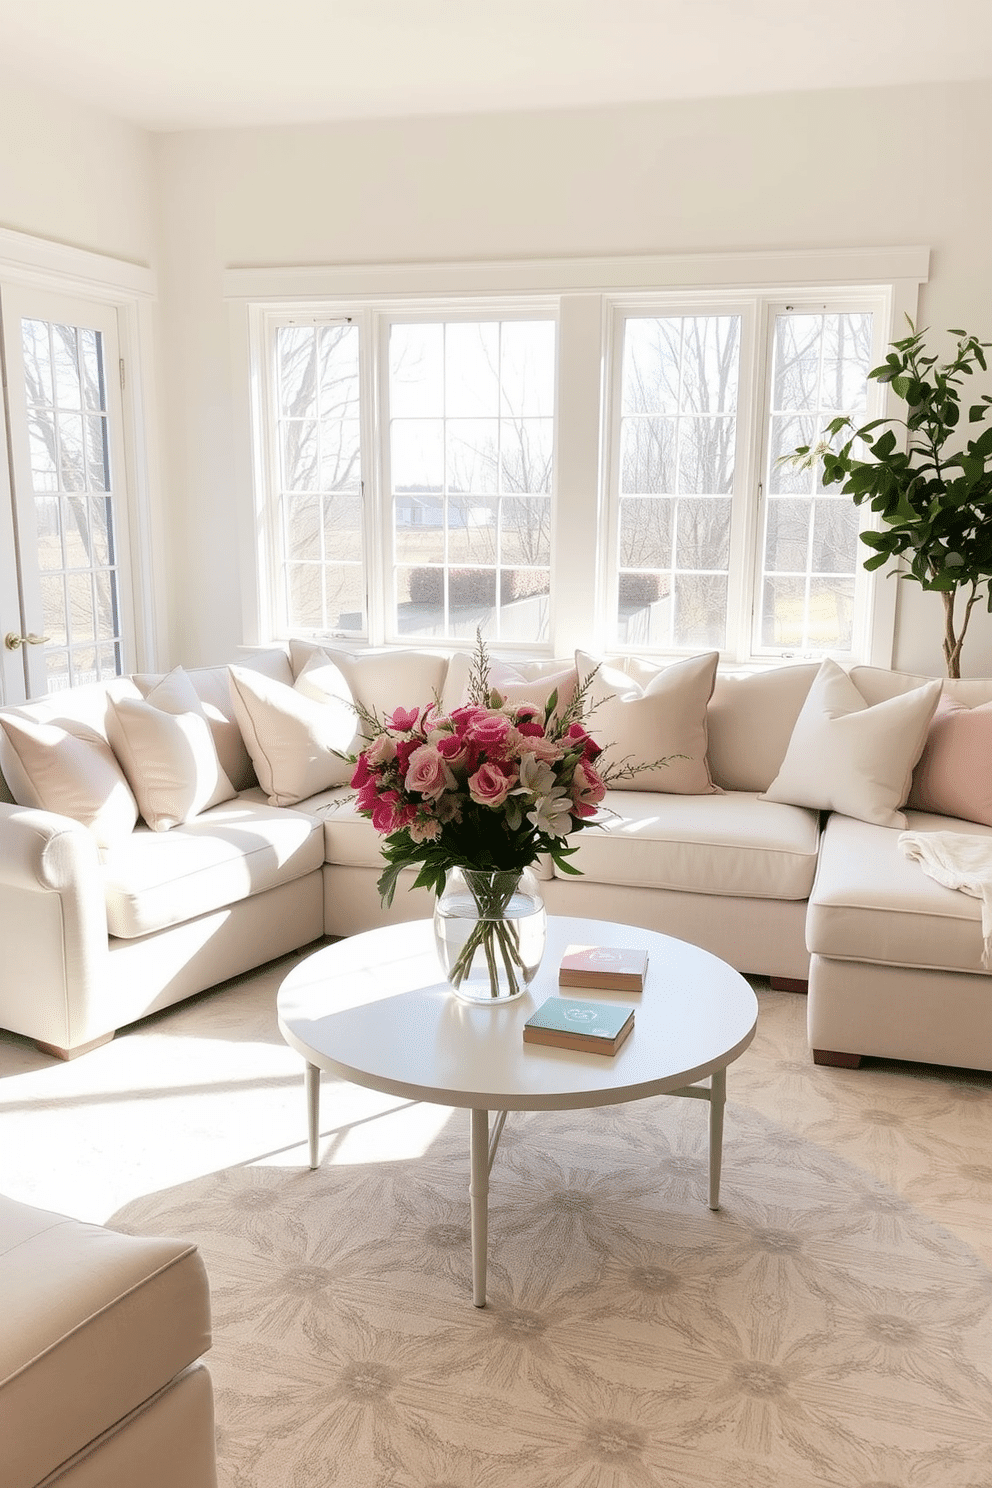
489, 929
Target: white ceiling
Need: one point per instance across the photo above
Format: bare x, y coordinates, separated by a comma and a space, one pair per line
189, 64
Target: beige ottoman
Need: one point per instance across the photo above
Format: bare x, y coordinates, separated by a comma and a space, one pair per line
100, 1337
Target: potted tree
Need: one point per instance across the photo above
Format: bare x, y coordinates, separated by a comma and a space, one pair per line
933, 490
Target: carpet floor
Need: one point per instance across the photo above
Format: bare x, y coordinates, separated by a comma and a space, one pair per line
830, 1325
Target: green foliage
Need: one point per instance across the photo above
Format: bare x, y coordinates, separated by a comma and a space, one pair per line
933, 489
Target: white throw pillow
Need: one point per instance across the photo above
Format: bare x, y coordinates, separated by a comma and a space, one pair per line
295, 743
643, 713
379, 680
848, 756
166, 748
516, 682
68, 768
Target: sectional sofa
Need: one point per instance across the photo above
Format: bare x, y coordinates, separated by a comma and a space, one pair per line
159, 835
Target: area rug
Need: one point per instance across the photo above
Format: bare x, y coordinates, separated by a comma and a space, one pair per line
819, 1329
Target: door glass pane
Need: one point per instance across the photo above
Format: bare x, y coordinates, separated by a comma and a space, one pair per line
65, 388
678, 435
471, 442
810, 544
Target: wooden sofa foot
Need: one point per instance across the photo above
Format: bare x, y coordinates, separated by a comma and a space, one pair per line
838, 1060
58, 1053
788, 984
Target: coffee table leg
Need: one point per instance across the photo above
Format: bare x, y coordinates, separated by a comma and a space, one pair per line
718, 1099
479, 1195
313, 1111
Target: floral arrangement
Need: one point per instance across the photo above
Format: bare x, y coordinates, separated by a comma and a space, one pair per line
486, 786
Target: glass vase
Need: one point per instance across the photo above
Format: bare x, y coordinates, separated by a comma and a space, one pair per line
489, 928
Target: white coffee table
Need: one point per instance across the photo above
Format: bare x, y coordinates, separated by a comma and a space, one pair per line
375, 1010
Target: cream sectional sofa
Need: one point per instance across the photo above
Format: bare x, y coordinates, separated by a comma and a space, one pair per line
97, 937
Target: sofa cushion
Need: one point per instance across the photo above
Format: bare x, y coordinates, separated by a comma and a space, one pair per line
750, 721
642, 713
872, 903
167, 751
68, 768
733, 844
849, 756
297, 745
95, 1323
954, 773
229, 853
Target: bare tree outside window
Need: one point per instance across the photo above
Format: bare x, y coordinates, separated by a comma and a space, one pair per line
678, 431
69, 451
810, 543
471, 449
320, 477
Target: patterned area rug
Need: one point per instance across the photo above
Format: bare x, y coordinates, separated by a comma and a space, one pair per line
822, 1328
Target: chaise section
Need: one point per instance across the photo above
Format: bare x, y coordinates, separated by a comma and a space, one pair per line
896, 964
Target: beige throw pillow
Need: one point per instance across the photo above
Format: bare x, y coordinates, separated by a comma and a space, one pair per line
166, 748
70, 769
847, 756
296, 743
644, 712
516, 682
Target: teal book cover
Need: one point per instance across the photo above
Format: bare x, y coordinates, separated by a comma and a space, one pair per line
604, 1020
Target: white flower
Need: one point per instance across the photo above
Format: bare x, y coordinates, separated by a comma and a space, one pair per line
552, 813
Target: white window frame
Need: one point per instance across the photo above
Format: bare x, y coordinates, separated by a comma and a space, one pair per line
588, 293
55, 268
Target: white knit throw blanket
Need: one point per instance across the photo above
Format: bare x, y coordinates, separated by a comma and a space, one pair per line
958, 861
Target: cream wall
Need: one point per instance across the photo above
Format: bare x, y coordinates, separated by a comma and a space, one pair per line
74, 176
761, 173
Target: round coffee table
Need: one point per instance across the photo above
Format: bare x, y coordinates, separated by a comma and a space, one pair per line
375, 1010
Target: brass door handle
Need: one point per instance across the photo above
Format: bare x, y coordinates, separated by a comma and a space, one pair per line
12, 641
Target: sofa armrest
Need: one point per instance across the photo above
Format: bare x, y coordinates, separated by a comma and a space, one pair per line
53, 927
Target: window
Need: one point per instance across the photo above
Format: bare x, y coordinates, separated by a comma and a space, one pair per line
604, 467
471, 442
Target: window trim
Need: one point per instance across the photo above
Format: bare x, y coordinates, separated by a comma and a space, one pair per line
586, 292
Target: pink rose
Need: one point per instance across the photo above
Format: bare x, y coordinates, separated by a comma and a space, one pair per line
577, 735
385, 815
489, 786
427, 773
381, 751
450, 747
488, 730
587, 789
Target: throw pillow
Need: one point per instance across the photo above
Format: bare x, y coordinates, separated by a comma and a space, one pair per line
379, 680
68, 768
516, 682
167, 751
954, 775
643, 713
845, 755
296, 744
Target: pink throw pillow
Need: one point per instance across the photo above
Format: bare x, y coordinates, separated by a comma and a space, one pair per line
954, 773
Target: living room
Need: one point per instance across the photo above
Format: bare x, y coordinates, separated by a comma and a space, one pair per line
871, 141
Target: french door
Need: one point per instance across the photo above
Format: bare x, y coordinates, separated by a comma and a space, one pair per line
65, 604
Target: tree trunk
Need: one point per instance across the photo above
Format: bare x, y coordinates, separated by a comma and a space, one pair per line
952, 642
